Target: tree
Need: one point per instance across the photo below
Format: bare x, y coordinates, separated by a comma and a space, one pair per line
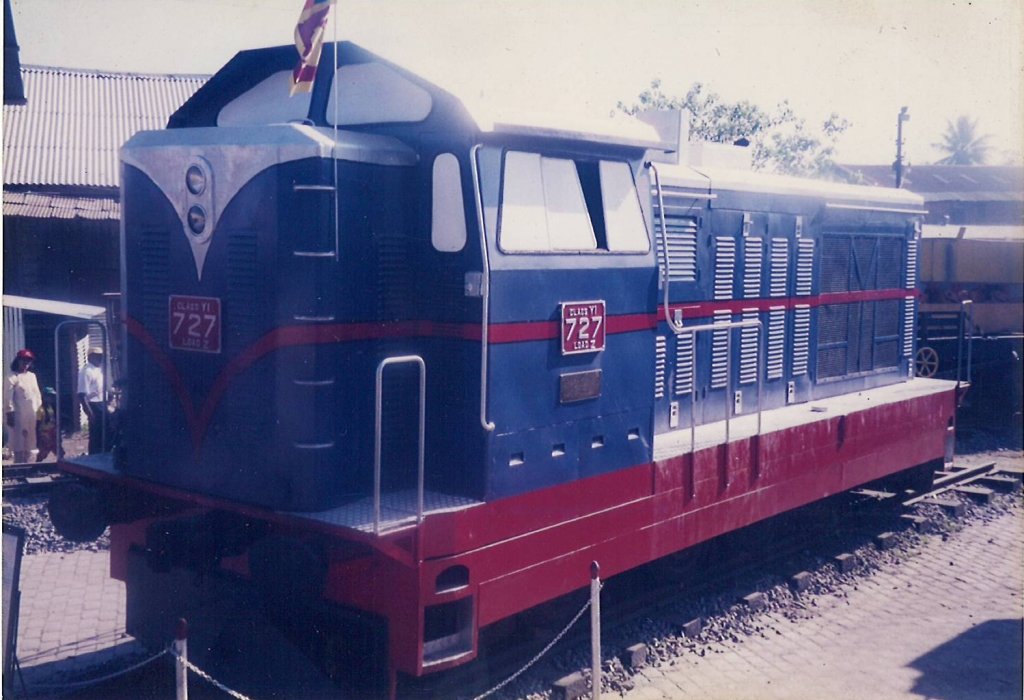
781, 141
963, 144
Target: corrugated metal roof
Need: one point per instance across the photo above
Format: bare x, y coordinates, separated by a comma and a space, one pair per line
50, 206
75, 121
952, 182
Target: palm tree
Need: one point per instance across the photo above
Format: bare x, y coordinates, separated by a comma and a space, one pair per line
963, 144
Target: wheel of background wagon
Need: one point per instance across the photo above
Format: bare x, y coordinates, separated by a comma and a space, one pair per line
926, 362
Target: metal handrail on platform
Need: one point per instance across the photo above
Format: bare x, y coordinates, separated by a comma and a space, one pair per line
966, 335
728, 327
378, 418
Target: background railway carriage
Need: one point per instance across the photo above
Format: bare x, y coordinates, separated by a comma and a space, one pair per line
294, 268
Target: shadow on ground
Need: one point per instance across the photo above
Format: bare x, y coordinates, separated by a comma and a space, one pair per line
983, 663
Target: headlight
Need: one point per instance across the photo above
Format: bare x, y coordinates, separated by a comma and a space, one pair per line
196, 219
195, 180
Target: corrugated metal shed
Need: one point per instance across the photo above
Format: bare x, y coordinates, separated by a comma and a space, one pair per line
53, 206
70, 130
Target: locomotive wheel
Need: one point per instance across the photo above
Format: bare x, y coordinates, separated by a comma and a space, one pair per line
77, 512
926, 362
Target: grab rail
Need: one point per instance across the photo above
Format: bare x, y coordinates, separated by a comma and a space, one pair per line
665, 271
485, 291
728, 327
378, 418
966, 335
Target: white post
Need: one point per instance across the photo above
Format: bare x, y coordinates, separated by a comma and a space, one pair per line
180, 647
595, 629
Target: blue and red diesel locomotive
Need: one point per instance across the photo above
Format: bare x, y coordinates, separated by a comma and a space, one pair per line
398, 362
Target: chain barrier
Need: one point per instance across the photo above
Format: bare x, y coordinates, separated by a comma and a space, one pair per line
540, 654
208, 678
84, 684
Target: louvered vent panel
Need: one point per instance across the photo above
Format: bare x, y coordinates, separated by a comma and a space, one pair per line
911, 264
681, 234
908, 326
684, 364
804, 266
719, 354
660, 360
780, 266
155, 249
725, 266
801, 338
776, 342
748, 349
753, 259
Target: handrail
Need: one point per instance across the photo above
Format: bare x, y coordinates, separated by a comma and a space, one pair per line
485, 290
665, 270
378, 419
728, 326
966, 334
106, 379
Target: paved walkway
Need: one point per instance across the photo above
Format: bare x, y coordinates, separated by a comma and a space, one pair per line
71, 616
944, 624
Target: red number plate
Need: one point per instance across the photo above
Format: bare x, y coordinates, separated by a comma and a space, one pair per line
194, 323
583, 327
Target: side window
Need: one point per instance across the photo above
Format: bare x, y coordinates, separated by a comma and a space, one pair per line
542, 206
623, 218
560, 204
448, 215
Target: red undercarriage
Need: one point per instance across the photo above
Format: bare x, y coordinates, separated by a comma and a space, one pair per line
525, 550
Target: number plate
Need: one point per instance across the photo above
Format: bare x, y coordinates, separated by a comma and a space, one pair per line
583, 327
194, 323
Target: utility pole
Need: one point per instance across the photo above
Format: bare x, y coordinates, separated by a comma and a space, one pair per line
904, 116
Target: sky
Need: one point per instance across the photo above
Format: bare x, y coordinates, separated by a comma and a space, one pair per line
863, 59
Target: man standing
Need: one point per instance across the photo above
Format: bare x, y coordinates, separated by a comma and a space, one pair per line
21, 401
91, 397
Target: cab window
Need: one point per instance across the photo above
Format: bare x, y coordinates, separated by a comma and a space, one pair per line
553, 205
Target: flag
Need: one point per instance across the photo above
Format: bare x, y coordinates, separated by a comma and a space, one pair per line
309, 40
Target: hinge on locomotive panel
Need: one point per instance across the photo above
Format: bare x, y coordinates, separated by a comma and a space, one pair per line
799, 226
747, 221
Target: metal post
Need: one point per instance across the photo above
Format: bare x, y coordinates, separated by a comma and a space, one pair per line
595, 629
904, 116
180, 648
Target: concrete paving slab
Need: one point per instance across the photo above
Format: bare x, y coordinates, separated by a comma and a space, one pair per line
944, 624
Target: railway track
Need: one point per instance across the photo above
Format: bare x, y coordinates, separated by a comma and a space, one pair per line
783, 545
24, 479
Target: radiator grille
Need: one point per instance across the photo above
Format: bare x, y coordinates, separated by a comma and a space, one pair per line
804, 266
833, 332
748, 349
776, 342
908, 326
684, 364
681, 235
753, 258
725, 266
911, 264
835, 264
891, 262
660, 359
780, 265
801, 339
719, 352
